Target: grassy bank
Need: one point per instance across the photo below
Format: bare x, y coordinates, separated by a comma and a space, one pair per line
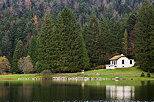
125, 73
16, 76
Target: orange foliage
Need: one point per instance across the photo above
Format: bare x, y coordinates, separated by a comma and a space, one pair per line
1, 15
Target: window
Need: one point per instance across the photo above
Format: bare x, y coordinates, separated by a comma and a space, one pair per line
130, 61
123, 62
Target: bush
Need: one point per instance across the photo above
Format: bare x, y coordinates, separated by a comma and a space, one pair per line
46, 73
142, 74
66, 70
148, 74
100, 67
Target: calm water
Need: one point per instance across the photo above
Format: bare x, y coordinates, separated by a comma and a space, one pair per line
99, 91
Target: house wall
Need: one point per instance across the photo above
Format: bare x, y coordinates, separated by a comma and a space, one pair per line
126, 62
119, 63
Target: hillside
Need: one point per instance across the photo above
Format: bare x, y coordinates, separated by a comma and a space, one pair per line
17, 17
71, 35
127, 73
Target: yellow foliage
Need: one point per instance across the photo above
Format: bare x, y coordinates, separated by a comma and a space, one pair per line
35, 20
4, 64
101, 67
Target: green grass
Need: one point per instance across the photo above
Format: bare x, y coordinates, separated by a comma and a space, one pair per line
14, 76
125, 73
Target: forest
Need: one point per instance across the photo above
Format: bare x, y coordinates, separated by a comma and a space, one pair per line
74, 35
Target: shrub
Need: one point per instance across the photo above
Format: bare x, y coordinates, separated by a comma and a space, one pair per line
66, 70
46, 73
100, 67
148, 74
142, 74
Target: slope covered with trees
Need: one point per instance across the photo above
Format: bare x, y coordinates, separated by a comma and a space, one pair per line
72, 35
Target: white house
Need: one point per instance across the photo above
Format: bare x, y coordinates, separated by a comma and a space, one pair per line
120, 61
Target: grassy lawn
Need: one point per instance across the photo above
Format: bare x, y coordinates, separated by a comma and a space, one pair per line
19, 76
127, 73
133, 72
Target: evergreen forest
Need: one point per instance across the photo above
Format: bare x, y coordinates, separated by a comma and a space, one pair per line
74, 35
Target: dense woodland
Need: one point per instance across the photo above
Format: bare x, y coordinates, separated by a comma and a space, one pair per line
74, 35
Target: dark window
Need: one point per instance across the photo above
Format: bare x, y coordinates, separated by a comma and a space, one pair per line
123, 62
130, 61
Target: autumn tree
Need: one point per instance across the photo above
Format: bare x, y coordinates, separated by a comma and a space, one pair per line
4, 65
25, 65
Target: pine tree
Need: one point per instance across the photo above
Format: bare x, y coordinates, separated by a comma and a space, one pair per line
104, 40
1, 52
131, 27
32, 50
18, 53
44, 47
71, 49
117, 29
144, 37
93, 41
125, 42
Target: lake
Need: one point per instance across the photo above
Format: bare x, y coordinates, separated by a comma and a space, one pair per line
78, 91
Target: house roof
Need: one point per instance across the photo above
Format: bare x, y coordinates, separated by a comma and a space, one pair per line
117, 57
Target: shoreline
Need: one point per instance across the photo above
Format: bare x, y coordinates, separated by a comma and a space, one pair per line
60, 78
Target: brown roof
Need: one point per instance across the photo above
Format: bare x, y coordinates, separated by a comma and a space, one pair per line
117, 57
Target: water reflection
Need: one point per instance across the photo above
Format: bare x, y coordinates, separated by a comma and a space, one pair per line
48, 91
120, 92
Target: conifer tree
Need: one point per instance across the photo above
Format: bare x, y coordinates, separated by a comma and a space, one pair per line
125, 42
131, 27
93, 41
71, 48
1, 52
18, 53
117, 30
32, 50
104, 39
144, 37
44, 47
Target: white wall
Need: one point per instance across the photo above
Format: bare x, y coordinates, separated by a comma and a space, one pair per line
118, 63
126, 62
